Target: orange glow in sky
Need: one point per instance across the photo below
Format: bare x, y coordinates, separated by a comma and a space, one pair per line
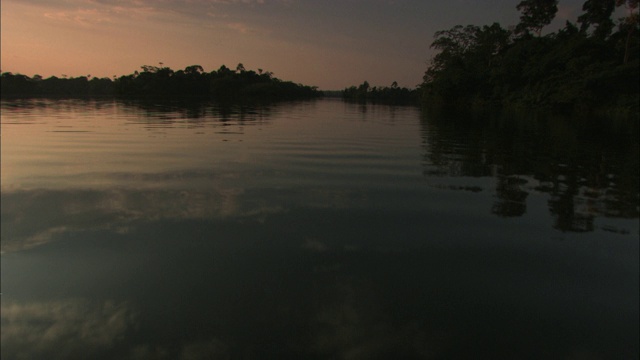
331, 44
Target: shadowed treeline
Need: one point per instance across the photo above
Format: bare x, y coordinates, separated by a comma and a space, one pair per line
385, 95
593, 64
153, 81
18, 85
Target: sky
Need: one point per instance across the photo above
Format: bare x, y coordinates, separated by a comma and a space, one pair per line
331, 44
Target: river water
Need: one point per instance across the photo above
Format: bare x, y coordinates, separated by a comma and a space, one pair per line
318, 229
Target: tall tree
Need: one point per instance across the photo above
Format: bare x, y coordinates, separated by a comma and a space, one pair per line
629, 23
536, 14
597, 13
448, 64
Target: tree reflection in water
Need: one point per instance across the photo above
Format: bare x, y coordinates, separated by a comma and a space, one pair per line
587, 166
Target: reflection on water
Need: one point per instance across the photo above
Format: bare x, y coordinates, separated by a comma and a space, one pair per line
314, 230
589, 167
71, 328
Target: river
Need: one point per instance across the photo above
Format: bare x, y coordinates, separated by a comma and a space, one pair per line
317, 230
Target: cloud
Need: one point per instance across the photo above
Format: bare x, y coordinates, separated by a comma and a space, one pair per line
83, 17
192, 13
350, 323
100, 12
314, 245
33, 218
81, 329
246, 2
240, 27
211, 349
63, 329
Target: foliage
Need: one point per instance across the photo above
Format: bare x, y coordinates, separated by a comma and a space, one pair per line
153, 81
598, 13
569, 69
393, 94
536, 14
21, 85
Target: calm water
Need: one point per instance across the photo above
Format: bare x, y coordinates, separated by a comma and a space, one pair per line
315, 230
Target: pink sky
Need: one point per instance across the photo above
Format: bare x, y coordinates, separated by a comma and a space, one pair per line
327, 43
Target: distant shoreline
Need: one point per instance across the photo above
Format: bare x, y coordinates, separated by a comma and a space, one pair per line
163, 82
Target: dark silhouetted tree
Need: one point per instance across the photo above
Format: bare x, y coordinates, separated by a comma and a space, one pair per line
393, 95
567, 69
597, 13
536, 14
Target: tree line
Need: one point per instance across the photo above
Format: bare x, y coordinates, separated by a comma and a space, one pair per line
591, 64
385, 94
161, 81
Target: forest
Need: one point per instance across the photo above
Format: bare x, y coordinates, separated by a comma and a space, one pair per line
589, 65
393, 94
161, 81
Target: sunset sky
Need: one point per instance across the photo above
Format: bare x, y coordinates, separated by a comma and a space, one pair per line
331, 44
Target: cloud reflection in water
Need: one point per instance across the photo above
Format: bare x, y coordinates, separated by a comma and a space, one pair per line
63, 329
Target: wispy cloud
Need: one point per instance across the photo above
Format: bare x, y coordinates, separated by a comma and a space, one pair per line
83, 17
241, 27
93, 13
118, 210
66, 327
88, 13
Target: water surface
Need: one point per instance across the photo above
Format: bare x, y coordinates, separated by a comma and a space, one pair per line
315, 229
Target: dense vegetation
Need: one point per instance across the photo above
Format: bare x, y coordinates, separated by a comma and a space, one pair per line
153, 81
593, 64
583, 66
387, 95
